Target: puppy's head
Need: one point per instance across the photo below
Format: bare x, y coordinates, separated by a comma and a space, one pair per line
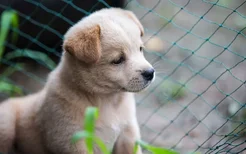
106, 52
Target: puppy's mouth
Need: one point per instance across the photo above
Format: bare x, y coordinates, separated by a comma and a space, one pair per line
137, 87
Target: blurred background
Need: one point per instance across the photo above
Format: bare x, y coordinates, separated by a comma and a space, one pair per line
197, 103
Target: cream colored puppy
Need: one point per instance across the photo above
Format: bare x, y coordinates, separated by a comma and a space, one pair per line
102, 64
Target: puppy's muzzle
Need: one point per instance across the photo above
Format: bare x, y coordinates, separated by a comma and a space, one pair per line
148, 74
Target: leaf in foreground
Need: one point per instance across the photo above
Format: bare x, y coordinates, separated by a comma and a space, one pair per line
85, 134
153, 149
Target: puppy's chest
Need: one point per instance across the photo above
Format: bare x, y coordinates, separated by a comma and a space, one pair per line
109, 127
109, 134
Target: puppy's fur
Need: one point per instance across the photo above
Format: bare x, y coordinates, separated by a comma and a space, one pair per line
101, 66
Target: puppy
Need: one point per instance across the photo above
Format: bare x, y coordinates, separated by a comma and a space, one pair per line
102, 66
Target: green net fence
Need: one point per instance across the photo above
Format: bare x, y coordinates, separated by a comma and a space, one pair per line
198, 48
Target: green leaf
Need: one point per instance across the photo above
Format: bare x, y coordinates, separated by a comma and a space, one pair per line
15, 25
91, 114
87, 135
9, 88
101, 145
10, 70
8, 18
136, 148
155, 150
79, 135
35, 55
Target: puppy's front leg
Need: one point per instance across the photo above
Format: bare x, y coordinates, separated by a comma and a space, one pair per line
126, 141
58, 141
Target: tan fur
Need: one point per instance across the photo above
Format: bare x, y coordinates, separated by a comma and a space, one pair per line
43, 123
85, 45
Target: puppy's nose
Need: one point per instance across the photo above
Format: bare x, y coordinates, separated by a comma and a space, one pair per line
148, 74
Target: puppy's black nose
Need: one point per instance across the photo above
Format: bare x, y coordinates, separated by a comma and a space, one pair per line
148, 74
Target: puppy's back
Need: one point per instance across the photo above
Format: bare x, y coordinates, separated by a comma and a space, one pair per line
7, 125
17, 122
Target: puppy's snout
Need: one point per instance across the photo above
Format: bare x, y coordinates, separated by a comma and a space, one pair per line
148, 74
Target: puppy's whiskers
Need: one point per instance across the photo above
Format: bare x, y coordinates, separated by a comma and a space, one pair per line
160, 65
162, 71
157, 62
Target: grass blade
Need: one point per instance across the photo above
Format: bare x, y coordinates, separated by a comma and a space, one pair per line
87, 135
91, 114
155, 150
8, 18
9, 88
10, 70
35, 55
15, 25
79, 135
101, 145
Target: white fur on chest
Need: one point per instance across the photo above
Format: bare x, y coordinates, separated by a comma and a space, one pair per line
109, 134
113, 119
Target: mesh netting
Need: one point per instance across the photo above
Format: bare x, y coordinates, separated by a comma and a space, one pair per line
197, 102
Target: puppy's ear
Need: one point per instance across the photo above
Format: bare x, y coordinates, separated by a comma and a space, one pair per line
85, 44
133, 17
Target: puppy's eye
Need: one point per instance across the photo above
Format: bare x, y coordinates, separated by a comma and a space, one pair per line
119, 61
